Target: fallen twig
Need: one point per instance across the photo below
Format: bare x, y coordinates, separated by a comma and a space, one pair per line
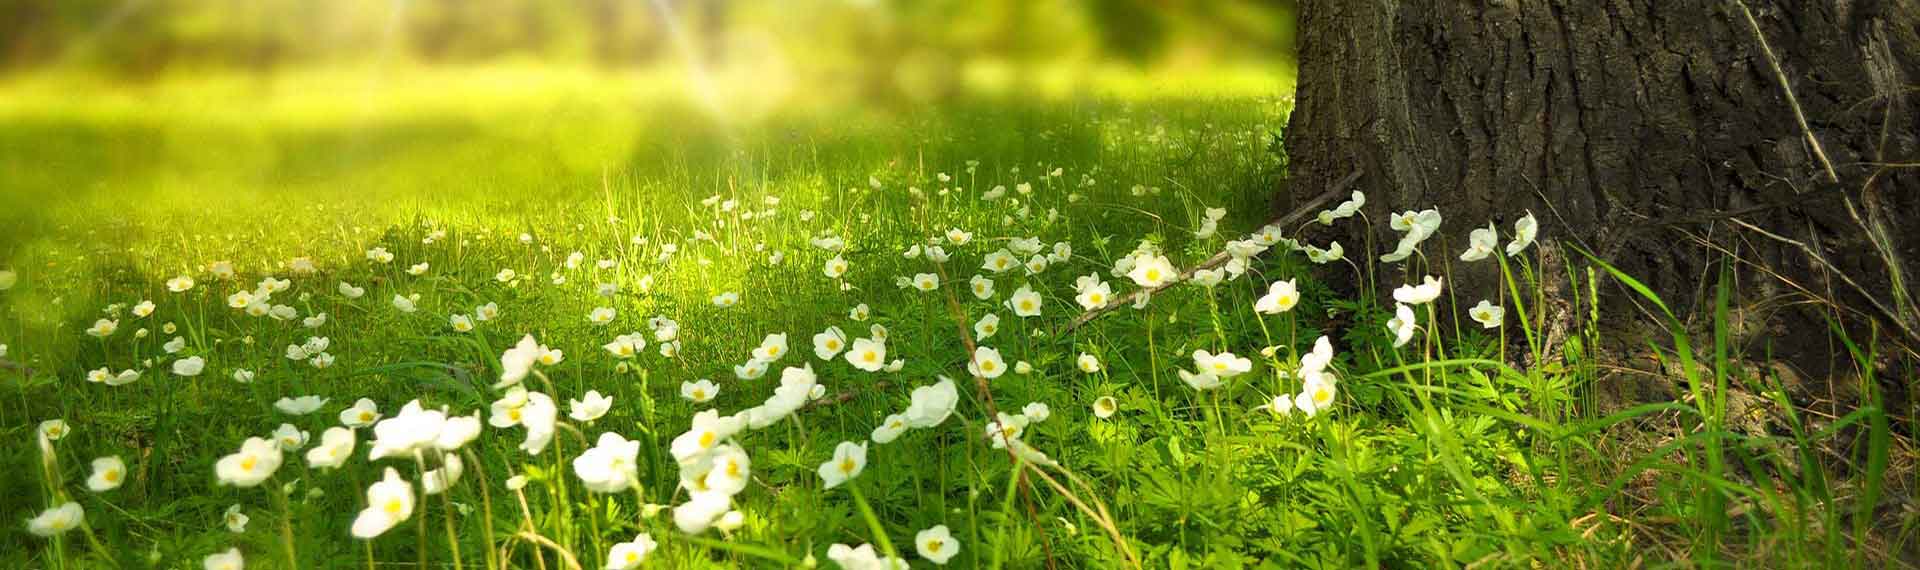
1298, 213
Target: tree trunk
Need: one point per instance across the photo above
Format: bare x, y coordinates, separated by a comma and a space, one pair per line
1630, 128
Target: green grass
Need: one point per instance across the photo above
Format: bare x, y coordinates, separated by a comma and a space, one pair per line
1445, 452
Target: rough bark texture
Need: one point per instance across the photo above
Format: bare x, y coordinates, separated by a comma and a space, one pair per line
1627, 126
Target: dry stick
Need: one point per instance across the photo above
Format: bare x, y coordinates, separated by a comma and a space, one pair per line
1787, 88
980, 383
1299, 212
1899, 326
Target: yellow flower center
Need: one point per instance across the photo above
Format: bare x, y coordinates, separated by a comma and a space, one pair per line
987, 365
111, 476
846, 466
394, 506
833, 344
870, 356
366, 416
1153, 275
514, 414
1026, 305
699, 394
707, 439
934, 545
247, 463
733, 468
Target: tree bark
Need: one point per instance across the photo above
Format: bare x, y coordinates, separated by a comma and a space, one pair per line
1630, 128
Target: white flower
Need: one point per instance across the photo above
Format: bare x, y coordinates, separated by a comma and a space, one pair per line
236, 520
1025, 302
180, 284
1282, 405
926, 281
849, 459
864, 557
772, 347
626, 345
103, 328
589, 407
1207, 277
987, 363
336, 446
1487, 314
868, 354
255, 462
289, 437
835, 267
299, 406
1105, 406
418, 269
610, 466
1316, 360
518, 361
1005, 428
709, 430
413, 429
932, 404
753, 369
1201, 380
1224, 365
389, 502
727, 299
1425, 292
1094, 295
957, 236
457, 432
108, 474
538, 417
460, 323
1036, 264
1332, 253
438, 480
57, 520
999, 261
936, 544
229, 560
1402, 325
1036, 411
1315, 397
700, 511
982, 287
1524, 232
985, 327
628, 555
601, 315
890, 429
1480, 243
1153, 271
362, 414
829, 343
1088, 363
351, 292
144, 309
699, 392
190, 366
53, 430
1281, 297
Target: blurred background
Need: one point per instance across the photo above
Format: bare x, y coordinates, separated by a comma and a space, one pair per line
874, 50
184, 130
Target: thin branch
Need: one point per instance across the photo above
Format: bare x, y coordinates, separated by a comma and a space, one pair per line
1787, 87
1298, 213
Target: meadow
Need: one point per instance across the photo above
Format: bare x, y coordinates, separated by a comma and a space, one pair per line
520, 318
